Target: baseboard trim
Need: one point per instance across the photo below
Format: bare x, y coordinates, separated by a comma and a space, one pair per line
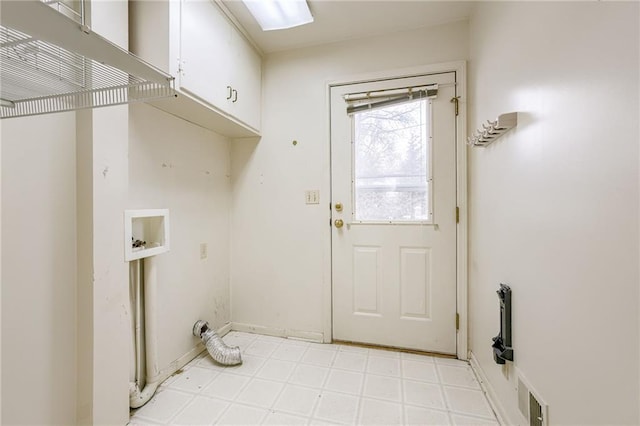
177, 364
310, 336
492, 396
222, 331
189, 356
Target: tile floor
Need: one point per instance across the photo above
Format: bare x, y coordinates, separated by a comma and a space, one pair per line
290, 382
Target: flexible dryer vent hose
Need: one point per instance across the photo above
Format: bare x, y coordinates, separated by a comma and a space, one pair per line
219, 351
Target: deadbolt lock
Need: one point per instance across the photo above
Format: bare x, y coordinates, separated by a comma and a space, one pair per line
338, 207
338, 223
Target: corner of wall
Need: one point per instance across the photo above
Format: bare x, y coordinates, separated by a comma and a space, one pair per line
496, 403
537, 202
0, 271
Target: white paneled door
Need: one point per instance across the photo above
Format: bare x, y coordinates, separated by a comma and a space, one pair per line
393, 187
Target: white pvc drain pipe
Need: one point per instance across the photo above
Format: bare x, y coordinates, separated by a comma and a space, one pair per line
141, 391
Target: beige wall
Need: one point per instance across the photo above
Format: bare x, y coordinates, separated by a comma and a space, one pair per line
554, 203
279, 244
176, 165
38, 270
0, 273
103, 291
554, 213
171, 164
107, 287
65, 346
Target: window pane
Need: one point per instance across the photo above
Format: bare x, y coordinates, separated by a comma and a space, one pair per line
391, 164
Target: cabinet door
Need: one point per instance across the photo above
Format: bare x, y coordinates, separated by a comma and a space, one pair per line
206, 52
246, 80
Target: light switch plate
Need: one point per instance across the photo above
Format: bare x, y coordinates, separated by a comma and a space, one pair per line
312, 196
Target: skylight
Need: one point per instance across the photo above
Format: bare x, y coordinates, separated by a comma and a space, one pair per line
279, 14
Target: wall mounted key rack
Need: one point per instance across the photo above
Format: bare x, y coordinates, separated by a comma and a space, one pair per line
493, 129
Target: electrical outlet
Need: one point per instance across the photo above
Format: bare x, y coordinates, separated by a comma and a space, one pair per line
203, 250
312, 196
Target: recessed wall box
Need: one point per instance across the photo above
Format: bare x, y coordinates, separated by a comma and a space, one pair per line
146, 233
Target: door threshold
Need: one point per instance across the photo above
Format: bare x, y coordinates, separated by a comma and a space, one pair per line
394, 349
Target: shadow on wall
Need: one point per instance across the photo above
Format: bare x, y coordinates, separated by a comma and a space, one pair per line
242, 152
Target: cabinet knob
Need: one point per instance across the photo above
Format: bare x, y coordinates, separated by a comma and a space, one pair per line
235, 95
230, 92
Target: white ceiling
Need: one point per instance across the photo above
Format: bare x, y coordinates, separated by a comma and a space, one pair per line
337, 20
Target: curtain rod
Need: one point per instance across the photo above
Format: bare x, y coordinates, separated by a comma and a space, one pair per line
420, 94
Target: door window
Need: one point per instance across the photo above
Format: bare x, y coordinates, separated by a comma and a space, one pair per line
392, 163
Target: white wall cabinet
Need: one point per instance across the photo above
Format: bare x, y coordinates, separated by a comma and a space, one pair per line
218, 72
246, 81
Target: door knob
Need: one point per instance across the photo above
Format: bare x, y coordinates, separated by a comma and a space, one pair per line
338, 223
338, 207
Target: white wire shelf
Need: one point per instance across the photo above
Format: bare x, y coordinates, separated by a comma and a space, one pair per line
38, 76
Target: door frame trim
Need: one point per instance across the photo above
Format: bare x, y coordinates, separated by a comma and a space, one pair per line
460, 68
